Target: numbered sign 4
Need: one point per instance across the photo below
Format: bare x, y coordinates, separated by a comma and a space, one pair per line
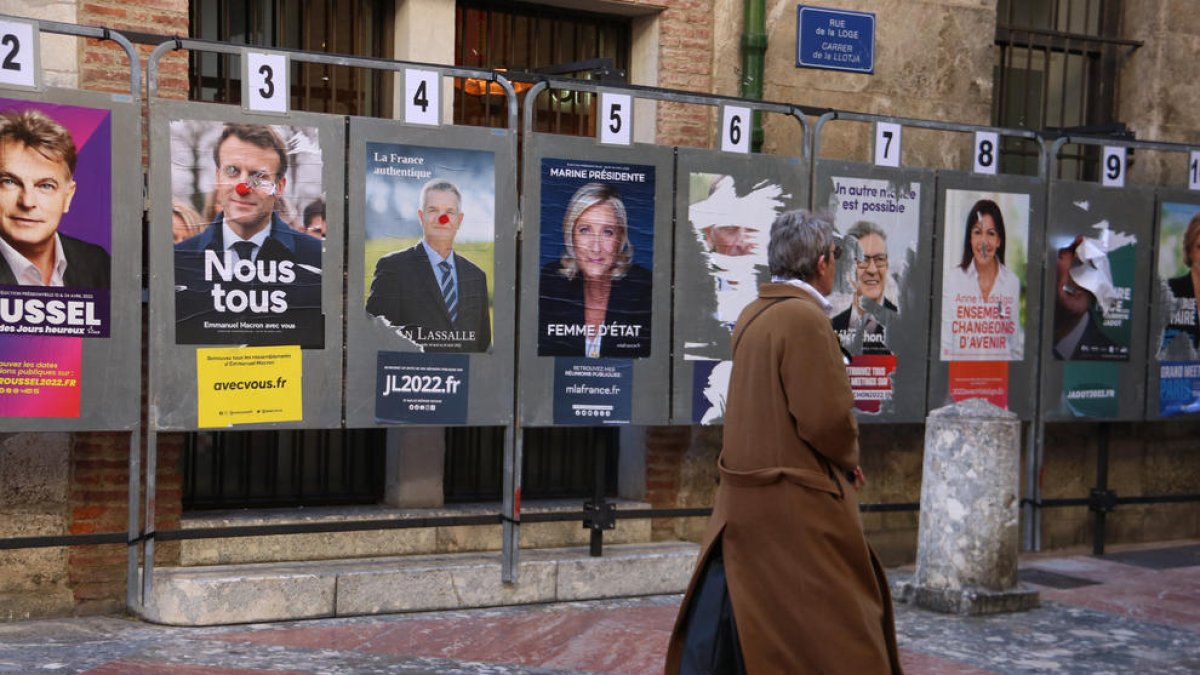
265, 82
19, 54
422, 97
615, 124
1112, 174
735, 129
987, 152
887, 144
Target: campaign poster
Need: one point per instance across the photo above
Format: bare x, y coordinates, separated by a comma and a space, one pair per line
596, 256
249, 385
1178, 387
987, 380
730, 218
422, 388
1091, 389
40, 377
55, 220
983, 278
248, 222
588, 392
1093, 293
430, 244
1179, 274
878, 225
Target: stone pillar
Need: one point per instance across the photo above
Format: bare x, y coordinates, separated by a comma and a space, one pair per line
968, 534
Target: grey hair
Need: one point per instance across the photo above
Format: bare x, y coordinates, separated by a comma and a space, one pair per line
587, 196
440, 185
864, 228
798, 240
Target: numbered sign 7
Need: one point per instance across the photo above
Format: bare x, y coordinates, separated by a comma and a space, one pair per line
887, 144
265, 82
19, 54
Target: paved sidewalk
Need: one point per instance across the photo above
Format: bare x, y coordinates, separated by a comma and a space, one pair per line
1136, 611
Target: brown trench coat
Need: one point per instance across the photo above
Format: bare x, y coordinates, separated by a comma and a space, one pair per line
808, 594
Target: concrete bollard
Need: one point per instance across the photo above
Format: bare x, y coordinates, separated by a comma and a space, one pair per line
968, 538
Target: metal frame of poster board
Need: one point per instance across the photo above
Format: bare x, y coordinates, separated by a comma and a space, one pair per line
113, 403
724, 205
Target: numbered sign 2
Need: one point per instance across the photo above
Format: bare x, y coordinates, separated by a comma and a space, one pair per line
1194, 170
19, 54
265, 82
615, 125
422, 97
987, 152
1112, 172
887, 144
735, 129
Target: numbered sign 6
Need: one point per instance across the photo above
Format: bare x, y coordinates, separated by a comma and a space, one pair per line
1194, 171
19, 54
1112, 173
735, 129
887, 144
615, 125
265, 82
987, 152
422, 97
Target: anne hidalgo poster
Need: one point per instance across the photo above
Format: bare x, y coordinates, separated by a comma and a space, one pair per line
594, 289
1179, 273
55, 251
248, 248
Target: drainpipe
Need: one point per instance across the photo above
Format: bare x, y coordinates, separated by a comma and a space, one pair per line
754, 49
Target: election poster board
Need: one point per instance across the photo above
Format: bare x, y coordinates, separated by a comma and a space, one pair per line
1173, 367
246, 241
883, 218
70, 252
432, 271
725, 205
1097, 273
595, 312
984, 341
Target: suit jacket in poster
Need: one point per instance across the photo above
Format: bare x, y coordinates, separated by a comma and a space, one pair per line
406, 292
88, 265
808, 594
197, 319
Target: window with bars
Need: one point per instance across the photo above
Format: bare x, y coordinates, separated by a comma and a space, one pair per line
1056, 71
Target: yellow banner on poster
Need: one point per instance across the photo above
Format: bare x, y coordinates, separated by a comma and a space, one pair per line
247, 385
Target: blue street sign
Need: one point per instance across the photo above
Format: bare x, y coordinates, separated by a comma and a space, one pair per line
835, 39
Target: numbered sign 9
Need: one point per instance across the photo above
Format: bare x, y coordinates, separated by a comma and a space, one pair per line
887, 144
265, 82
1112, 172
735, 129
422, 97
19, 54
615, 123
987, 152
1194, 171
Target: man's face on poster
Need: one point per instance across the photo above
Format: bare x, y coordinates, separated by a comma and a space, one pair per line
732, 240
1072, 299
247, 184
872, 267
440, 218
35, 191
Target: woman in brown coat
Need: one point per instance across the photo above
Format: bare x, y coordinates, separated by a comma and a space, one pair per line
807, 594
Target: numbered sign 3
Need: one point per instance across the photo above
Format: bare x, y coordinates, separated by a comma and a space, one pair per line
615, 124
19, 54
735, 129
422, 97
887, 144
1112, 174
265, 82
987, 152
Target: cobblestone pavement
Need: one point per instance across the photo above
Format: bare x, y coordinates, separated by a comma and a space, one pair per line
1131, 612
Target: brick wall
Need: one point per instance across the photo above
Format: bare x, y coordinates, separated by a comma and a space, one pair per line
685, 62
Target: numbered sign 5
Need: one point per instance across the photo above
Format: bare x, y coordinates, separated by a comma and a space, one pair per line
19, 54
887, 144
265, 82
1194, 171
987, 152
422, 97
615, 124
1112, 172
735, 129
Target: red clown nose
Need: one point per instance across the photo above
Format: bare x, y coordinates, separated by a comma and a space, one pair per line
242, 189
443, 219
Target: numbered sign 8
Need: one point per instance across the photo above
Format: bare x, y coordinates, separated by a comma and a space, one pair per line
887, 144
987, 152
18, 54
735, 129
422, 97
615, 123
1194, 171
266, 82
1112, 172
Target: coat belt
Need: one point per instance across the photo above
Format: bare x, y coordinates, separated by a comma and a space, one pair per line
770, 475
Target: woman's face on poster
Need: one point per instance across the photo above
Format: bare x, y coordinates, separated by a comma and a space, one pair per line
1193, 253
985, 240
597, 237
